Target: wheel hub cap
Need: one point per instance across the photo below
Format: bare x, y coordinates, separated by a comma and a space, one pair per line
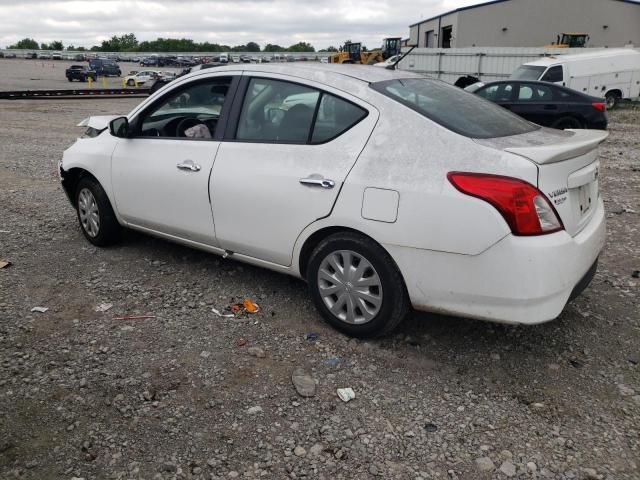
88, 212
350, 287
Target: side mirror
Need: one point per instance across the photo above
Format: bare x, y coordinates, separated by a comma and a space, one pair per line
119, 127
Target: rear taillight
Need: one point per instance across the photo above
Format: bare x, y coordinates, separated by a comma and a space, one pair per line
600, 106
525, 208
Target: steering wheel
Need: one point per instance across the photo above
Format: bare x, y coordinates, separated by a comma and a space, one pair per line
186, 124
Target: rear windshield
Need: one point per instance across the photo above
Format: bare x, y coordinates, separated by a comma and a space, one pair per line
527, 72
455, 109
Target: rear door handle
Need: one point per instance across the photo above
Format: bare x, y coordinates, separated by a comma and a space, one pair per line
189, 165
318, 182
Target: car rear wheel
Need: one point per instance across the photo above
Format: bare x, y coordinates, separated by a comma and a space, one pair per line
566, 122
612, 99
95, 214
356, 285
130, 83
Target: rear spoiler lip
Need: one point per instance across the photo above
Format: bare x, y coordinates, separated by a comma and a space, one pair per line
582, 142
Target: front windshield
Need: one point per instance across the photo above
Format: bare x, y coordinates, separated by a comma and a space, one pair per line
527, 72
454, 109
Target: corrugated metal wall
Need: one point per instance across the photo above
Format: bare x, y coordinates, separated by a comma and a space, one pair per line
487, 64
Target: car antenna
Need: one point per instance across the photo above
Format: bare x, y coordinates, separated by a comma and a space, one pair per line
393, 67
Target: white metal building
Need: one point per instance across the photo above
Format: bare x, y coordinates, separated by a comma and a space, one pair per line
531, 23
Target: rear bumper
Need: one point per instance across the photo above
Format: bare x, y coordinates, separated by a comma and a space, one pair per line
520, 280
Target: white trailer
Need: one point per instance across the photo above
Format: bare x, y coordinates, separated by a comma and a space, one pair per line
613, 73
485, 63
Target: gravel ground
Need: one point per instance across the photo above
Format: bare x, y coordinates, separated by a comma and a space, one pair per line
187, 394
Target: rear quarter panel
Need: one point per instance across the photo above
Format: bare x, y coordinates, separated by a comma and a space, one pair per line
412, 155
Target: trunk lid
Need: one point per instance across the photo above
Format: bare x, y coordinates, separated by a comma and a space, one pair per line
568, 169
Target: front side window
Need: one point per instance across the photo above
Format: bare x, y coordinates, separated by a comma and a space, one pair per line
554, 74
276, 111
459, 111
497, 93
191, 112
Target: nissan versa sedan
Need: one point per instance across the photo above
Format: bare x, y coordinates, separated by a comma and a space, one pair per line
384, 190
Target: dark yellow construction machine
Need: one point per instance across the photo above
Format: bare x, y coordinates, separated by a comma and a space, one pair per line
352, 52
570, 40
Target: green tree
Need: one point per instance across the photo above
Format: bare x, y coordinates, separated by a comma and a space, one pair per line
331, 49
239, 48
26, 43
122, 43
56, 45
301, 47
128, 42
44, 46
269, 47
253, 47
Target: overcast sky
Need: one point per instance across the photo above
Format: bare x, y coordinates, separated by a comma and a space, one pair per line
231, 22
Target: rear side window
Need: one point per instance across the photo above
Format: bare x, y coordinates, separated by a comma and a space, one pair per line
554, 74
535, 93
334, 117
277, 111
454, 109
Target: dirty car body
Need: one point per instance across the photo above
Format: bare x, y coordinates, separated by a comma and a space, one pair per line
382, 189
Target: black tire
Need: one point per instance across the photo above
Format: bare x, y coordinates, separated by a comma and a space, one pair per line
612, 99
70, 79
566, 122
395, 303
108, 229
130, 83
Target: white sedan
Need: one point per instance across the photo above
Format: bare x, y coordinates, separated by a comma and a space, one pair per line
382, 189
140, 78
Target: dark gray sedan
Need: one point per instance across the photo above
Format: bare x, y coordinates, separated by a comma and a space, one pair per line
546, 103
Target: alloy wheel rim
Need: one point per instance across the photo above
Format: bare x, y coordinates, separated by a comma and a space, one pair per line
350, 287
89, 213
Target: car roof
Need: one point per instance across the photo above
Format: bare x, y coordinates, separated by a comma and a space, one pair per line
534, 82
324, 73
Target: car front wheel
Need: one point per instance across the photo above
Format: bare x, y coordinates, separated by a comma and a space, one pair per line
357, 286
95, 214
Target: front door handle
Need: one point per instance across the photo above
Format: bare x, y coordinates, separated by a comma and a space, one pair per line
318, 182
189, 165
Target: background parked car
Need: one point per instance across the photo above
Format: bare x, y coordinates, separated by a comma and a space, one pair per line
105, 67
80, 73
140, 78
546, 104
